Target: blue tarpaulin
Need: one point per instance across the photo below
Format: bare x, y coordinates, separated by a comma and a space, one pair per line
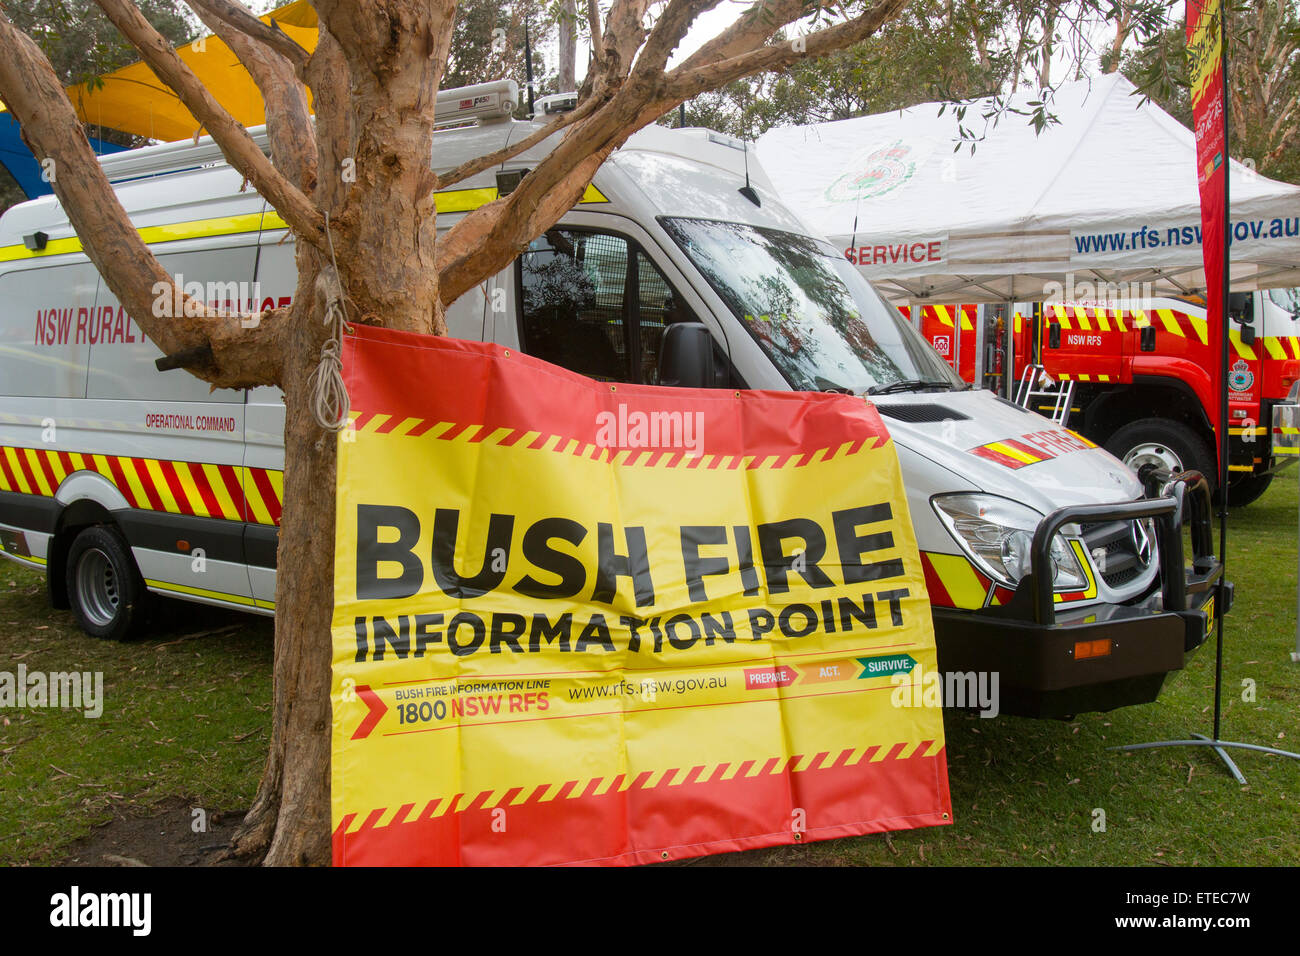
18, 159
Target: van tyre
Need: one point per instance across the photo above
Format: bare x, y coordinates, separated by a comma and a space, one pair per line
1166, 443
1246, 489
105, 589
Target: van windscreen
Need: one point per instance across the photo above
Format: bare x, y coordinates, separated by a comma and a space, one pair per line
817, 319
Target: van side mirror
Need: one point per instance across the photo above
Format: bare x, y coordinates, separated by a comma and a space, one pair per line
1247, 335
1241, 306
686, 357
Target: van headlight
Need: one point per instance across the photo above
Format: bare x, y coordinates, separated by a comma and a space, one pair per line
997, 534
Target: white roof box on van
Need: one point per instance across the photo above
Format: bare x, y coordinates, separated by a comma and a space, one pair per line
483, 102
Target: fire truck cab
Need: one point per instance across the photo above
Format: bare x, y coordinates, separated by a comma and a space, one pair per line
1137, 376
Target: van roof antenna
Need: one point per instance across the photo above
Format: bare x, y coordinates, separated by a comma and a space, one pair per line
747, 190
528, 69
853, 243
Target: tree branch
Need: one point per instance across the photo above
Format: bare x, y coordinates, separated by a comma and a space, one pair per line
593, 24
752, 29
668, 32
240, 18
685, 82
235, 143
624, 32
288, 119
475, 166
245, 349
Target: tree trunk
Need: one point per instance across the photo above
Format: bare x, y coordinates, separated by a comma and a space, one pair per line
379, 189
289, 822
569, 46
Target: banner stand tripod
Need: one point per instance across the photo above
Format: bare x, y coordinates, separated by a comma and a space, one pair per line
1219, 745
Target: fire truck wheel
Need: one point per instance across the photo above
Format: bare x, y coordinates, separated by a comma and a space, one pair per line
1162, 442
106, 591
1246, 489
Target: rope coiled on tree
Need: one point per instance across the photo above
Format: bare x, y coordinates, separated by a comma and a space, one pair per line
331, 405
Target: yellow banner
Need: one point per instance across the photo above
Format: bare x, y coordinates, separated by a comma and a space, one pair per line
584, 623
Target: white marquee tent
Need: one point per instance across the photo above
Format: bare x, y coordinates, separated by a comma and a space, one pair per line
1108, 195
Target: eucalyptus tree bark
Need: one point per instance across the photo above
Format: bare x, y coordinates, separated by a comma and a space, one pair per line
357, 190
568, 45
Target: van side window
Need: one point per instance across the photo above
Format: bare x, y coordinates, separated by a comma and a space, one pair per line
596, 304
574, 301
657, 306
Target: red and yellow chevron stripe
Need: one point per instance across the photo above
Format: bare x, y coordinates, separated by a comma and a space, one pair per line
1065, 377
1090, 591
1071, 317
204, 490
573, 809
1011, 453
646, 780
381, 424
1282, 347
946, 314
952, 581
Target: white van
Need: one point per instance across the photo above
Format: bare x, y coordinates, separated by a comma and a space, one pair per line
1045, 558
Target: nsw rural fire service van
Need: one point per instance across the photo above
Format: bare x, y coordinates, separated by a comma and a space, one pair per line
1046, 559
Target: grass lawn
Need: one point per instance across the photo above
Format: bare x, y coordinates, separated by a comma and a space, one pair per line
187, 714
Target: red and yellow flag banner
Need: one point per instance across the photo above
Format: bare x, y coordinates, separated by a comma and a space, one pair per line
1205, 56
577, 622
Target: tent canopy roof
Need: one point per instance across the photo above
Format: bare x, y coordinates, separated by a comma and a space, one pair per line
135, 101
1108, 194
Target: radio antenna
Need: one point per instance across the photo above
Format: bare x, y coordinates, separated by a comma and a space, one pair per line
747, 190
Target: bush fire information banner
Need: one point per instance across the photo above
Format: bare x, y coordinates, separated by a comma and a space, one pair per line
578, 622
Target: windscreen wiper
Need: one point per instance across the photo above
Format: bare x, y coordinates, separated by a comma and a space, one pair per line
908, 385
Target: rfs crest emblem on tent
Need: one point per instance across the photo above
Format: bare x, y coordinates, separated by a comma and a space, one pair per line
1241, 378
877, 170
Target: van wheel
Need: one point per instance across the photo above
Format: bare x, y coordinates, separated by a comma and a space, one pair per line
1247, 489
105, 589
1162, 442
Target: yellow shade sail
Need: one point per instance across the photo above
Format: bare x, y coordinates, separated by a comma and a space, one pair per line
135, 101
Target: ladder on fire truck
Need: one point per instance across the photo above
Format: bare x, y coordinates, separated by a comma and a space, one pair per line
1029, 393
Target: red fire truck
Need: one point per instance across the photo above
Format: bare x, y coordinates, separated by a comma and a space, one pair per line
1136, 380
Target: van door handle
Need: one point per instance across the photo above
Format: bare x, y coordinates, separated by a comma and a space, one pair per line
1053, 336
1147, 338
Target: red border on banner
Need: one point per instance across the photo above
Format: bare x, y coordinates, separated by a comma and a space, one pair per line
677, 821
736, 422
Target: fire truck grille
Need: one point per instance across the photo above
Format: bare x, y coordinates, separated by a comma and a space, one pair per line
1122, 551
